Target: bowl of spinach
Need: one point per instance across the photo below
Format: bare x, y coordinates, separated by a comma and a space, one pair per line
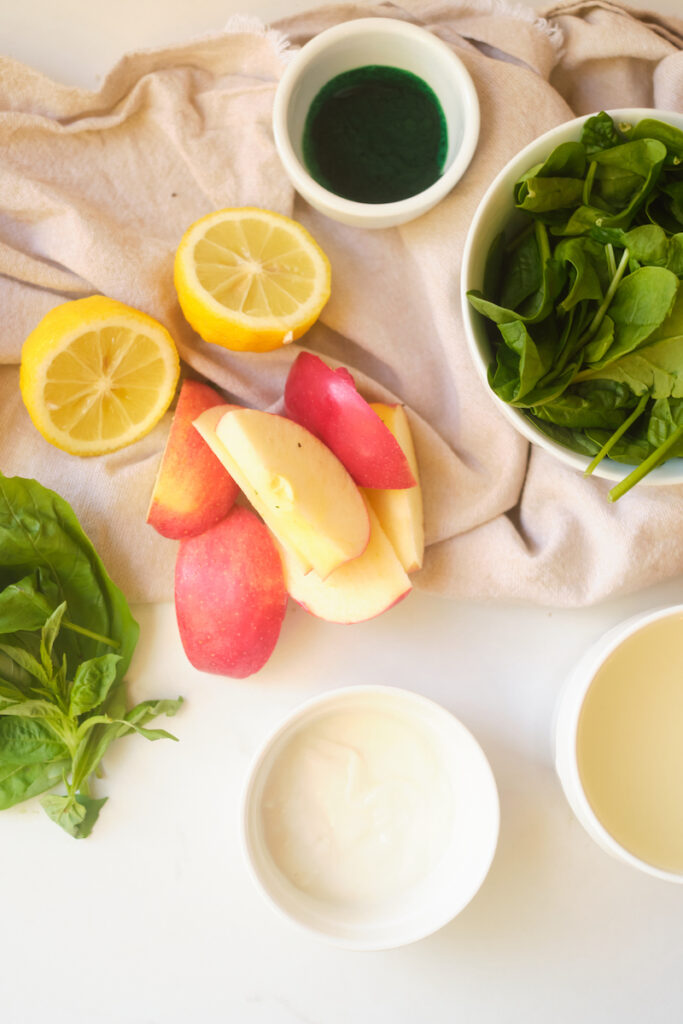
572, 294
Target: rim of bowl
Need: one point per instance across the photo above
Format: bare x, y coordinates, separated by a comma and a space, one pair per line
572, 700
421, 201
449, 910
671, 472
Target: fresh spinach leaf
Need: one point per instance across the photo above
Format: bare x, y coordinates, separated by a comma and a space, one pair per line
585, 300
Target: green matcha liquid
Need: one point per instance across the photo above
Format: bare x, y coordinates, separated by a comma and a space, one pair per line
375, 135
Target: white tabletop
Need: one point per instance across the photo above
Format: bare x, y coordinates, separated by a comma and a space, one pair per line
154, 919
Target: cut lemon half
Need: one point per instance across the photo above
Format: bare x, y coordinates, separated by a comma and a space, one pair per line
97, 375
250, 279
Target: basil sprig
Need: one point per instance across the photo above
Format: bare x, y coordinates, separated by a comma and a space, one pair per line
584, 301
66, 639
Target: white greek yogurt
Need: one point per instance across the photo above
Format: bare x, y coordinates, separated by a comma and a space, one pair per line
357, 806
370, 817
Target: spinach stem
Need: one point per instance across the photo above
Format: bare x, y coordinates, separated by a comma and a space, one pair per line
609, 444
611, 261
89, 633
644, 468
604, 305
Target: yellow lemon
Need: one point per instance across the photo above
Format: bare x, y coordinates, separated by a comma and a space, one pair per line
250, 279
97, 375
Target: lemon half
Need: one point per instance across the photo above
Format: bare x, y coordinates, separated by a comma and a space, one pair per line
250, 279
97, 375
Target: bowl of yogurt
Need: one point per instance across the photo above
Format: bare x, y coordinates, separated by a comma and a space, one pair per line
370, 817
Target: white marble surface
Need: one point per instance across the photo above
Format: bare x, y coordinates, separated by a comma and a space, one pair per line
77, 41
153, 920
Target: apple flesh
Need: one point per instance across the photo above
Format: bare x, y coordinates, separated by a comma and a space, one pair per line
358, 590
326, 402
301, 490
230, 596
192, 491
400, 511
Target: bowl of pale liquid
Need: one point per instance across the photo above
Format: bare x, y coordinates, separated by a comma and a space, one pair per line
619, 742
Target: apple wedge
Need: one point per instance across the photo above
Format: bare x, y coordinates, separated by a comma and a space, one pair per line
230, 596
400, 511
359, 589
326, 402
192, 491
301, 490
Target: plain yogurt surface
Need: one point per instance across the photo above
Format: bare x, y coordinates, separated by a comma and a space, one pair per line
357, 806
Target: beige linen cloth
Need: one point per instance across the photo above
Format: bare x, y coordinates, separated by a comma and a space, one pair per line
96, 190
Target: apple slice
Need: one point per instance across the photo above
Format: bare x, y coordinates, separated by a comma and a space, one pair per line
400, 511
359, 589
327, 403
192, 491
230, 596
302, 491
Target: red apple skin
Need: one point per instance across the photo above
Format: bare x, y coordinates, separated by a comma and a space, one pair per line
326, 402
193, 490
230, 596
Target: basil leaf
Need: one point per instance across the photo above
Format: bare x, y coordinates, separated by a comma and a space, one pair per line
93, 681
22, 606
75, 814
48, 635
22, 781
10, 692
25, 661
28, 741
39, 531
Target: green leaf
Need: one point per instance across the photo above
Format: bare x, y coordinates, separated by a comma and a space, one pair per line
40, 532
146, 710
601, 403
22, 606
599, 132
37, 709
28, 741
93, 681
26, 662
96, 736
75, 814
22, 781
667, 134
48, 635
581, 255
10, 692
642, 302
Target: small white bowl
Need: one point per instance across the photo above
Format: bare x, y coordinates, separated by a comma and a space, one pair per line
382, 41
495, 212
456, 873
566, 729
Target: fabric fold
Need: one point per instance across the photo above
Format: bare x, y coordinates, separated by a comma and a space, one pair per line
97, 188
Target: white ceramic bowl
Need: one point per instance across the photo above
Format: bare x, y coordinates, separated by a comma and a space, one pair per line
456, 876
567, 716
495, 212
358, 43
